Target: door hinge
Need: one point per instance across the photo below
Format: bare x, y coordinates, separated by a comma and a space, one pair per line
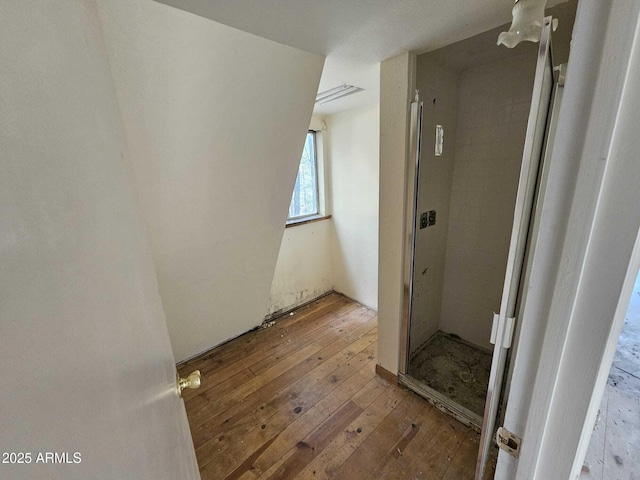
560, 73
508, 442
507, 331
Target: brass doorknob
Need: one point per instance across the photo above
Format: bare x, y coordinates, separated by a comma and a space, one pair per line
192, 381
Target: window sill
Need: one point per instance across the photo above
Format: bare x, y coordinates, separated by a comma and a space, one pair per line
305, 220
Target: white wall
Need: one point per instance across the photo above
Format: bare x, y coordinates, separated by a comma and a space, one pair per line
340, 253
215, 120
303, 271
86, 364
396, 90
353, 152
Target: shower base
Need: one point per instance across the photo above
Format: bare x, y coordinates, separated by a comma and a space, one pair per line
454, 373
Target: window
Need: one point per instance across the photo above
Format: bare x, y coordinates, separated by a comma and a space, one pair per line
304, 201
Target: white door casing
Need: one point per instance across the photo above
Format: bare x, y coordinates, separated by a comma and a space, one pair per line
85, 361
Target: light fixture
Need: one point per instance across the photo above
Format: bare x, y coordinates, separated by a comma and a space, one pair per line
335, 93
528, 17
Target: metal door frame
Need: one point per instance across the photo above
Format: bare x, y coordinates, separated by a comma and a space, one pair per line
532, 161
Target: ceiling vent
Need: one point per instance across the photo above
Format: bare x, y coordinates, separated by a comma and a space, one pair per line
336, 93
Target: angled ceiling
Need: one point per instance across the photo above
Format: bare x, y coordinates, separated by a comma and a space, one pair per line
356, 35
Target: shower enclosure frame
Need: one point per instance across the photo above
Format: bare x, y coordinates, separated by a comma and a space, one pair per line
441, 401
504, 327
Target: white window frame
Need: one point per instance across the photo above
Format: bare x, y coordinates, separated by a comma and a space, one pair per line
320, 190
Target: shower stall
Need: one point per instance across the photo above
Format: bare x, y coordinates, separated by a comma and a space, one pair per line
465, 202
479, 128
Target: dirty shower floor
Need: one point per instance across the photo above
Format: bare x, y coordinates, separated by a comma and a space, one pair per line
454, 368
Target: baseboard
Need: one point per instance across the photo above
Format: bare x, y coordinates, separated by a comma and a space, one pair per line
267, 319
212, 348
375, 309
386, 374
285, 311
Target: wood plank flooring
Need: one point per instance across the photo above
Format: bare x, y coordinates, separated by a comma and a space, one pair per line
301, 399
615, 441
613, 449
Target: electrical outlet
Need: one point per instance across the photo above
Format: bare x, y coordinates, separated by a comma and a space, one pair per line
431, 218
424, 220
427, 219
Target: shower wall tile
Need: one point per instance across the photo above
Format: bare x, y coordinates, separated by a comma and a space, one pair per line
439, 92
493, 108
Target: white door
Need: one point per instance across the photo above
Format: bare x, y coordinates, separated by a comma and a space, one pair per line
531, 159
88, 378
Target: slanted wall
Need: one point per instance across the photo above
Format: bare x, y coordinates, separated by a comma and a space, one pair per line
215, 120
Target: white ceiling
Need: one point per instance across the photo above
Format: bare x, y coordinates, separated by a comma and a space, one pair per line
356, 35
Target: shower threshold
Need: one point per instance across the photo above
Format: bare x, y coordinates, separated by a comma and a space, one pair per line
453, 375
442, 402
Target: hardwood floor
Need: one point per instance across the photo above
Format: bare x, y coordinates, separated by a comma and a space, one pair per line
615, 441
613, 449
301, 399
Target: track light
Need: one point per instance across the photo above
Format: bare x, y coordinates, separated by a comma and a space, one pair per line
335, 93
